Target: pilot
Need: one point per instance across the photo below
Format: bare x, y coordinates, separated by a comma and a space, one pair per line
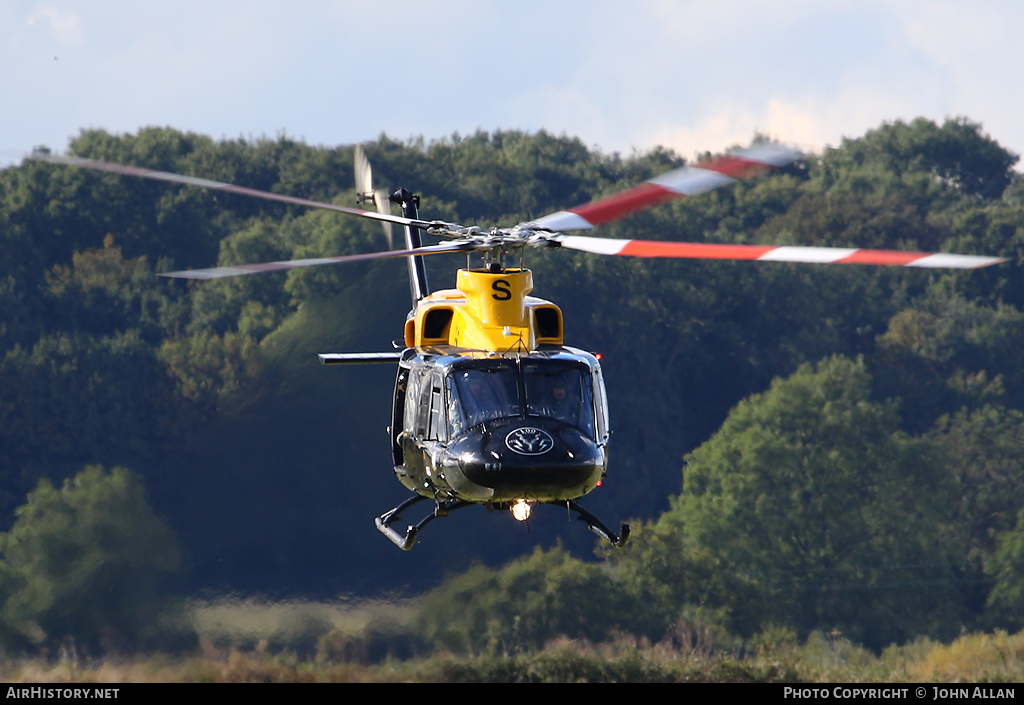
561, 405
481, 400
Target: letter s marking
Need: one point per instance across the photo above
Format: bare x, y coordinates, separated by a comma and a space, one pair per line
504, 293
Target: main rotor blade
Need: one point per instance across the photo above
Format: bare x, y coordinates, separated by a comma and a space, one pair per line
687, 181
145, 173
785, 253
237, 270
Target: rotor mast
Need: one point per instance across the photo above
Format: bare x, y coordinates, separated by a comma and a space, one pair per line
418, 286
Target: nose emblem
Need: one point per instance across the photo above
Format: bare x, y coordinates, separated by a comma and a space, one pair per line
529, 441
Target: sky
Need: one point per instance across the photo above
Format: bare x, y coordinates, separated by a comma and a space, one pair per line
623, 77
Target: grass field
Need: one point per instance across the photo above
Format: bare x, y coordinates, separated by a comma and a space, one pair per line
250, 640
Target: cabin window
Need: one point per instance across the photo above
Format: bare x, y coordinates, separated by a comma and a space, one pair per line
398, 413
417, 402
436, 429
409, 417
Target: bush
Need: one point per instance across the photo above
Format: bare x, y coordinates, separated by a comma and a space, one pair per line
526, 604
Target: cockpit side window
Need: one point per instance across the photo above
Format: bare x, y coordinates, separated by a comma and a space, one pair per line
601, 395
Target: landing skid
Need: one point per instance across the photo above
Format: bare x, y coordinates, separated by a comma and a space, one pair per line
441, 508
406, 542
598, 527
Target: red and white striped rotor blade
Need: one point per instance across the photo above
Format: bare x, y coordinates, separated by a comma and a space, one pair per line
145, 173
237, 270
687, 181
785, 253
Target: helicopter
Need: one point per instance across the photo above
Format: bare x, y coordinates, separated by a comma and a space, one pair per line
490, 406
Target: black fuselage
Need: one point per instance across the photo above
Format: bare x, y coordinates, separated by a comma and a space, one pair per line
496, 429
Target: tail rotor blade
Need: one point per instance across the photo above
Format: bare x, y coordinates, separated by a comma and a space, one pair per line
380, 197
366, 192
364, 174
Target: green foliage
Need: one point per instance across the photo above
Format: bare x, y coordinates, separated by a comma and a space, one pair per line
206, 365
1006, 568
946, 352
73, 399
807, 509
986, 452
86, 565
525, 604
101, 362
957, 154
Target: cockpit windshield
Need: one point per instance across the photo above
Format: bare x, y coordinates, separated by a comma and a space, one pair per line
556, 389
480, 394
560, 390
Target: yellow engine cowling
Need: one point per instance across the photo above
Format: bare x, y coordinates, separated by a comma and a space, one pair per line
490, 311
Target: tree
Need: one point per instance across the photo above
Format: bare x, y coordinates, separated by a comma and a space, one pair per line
809, 509
89, 563
102, 362
985, 448
958, 153
945, 352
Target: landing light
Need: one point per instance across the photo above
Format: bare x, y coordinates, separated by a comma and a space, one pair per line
521, 510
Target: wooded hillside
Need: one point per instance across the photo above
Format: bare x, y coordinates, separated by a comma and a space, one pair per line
806, 446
